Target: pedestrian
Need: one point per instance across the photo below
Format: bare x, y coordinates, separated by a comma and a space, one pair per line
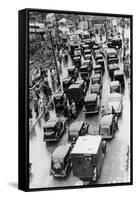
64, 100
103, 111
36, 108
30, 113
73, 109
66, 113
37, 92
113, 110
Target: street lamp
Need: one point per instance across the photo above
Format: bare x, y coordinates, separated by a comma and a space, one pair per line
50, 28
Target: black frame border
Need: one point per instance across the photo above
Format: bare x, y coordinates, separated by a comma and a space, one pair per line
23, 80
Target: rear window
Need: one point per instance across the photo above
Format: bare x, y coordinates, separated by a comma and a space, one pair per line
49, 129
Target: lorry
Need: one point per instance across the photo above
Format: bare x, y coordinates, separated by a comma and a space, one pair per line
87, 158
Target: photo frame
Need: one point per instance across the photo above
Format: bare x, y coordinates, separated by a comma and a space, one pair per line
75, 99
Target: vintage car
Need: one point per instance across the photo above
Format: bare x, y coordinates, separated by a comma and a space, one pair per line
96, 47
54, 129
119, 76
112, 68
98, 56
96, 78
77, 61
115, 43
115, 101
98, 69
96, 88
77, 52
77, 129
84, 72
87, 158
86, 52
115, 87
61, 162
71, 70
66, 82
108, 126
59, 100
111, 53
84, 47
75, 92
88, 57
89, 63
101, 62
112, 61
91, 103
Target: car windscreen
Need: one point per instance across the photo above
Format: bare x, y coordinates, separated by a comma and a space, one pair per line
112, 99
105, 130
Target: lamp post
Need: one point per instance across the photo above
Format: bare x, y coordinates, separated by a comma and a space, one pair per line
50, 28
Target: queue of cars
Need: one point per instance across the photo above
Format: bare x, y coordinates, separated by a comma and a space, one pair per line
84, 153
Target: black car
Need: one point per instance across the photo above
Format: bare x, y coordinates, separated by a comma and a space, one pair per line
61, 161
75, 92
97, 69
54, 129
112, 68
119, 76
76, 129
66, 82
96, 88
96, 79
92, 104
59, 100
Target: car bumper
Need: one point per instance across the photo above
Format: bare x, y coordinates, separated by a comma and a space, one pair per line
50, 139
104, 137
91, 112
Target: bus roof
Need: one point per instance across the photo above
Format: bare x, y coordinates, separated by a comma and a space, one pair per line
88, 144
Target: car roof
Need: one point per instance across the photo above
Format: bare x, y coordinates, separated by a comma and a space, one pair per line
50, 123
97, 66
113, 66
106, 120
76, 57
81, 81
86, 61
61, 151
115, 94
98, 54
95, 86
90, 97
84, 66
58, 94
88, 144
75, 86
71, 67
67, 78
96, 75
76, 126
118, 72
111, 50
114, 83
87, 50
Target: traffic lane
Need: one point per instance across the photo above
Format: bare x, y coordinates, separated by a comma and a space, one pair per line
116, 166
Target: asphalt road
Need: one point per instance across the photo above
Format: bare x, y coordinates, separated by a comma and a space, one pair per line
115, 168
